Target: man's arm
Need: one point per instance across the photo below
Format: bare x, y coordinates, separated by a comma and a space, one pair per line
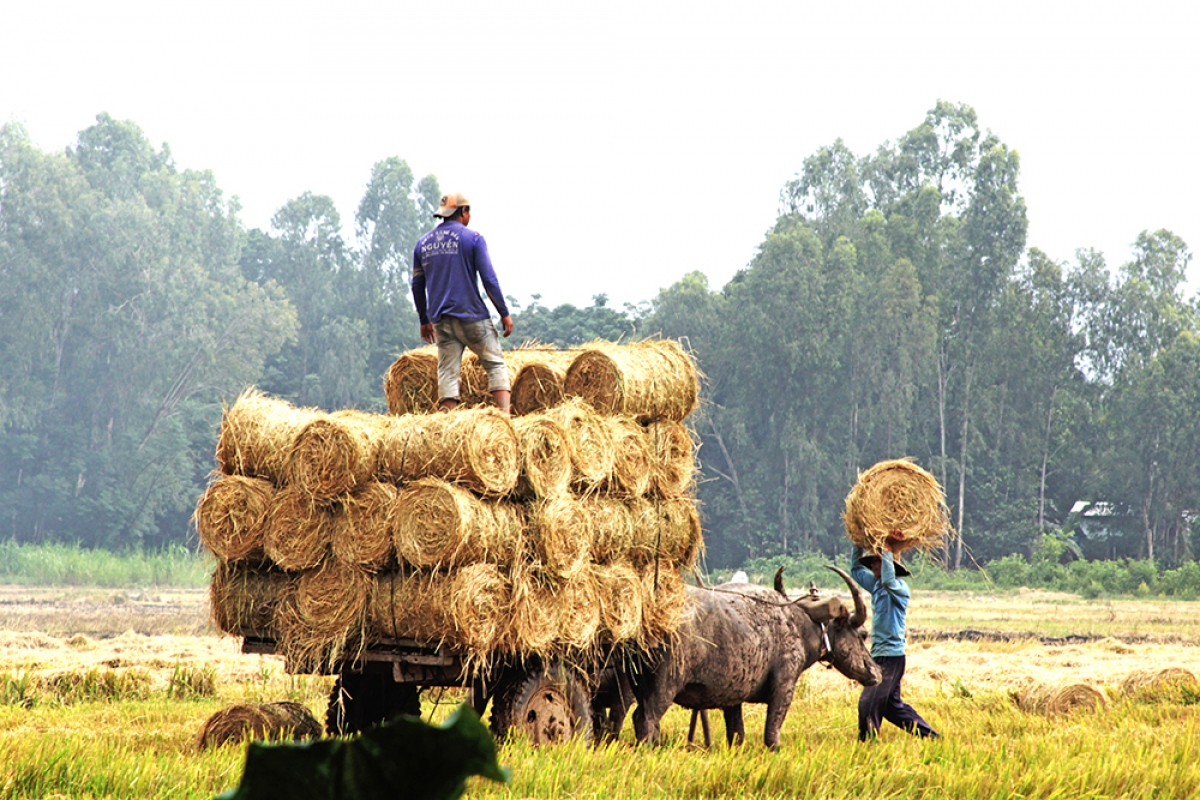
491, 285
887, 574
419, 300
863, 576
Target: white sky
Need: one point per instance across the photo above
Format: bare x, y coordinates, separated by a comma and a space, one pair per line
613, 147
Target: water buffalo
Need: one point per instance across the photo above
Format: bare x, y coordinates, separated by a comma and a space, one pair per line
743, 643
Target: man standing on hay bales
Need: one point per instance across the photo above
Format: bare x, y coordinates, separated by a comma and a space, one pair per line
448, 263
881, 576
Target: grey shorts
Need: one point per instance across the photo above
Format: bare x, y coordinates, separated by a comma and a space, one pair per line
480, 337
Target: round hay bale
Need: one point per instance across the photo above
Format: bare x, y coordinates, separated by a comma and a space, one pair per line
652, 379
538, 384
621, 599
473, 390
244, 599
664, 600
672, 458
257, 434
332, 598
410, 605
298, 530
480, 601
510, 540
666, 529
545, 456
1056, 700
561, 533
590, 441
896, 500
613, 527
1153, 684
632, 458
577, 612
231, 516
267, 721
334, 454
364, 526
441, 525
410, 383
532, 626
475, 447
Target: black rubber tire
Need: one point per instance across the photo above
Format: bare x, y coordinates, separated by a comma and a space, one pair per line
360, 700
547, 705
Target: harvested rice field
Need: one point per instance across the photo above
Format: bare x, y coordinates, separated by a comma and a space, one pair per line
104, 693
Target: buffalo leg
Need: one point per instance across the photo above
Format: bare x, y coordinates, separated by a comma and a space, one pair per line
735, 727
777, 708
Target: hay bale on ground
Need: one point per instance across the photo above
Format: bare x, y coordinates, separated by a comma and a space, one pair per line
652, 379
335, 453
632, 460
440, 525
231, 516
245, 599
1154, 684
538, 384
896, 500
410, 383
363, 526
1055, 700
560, 531
672, 458
591, 449
475, 447
260, 722
545, 456
621, 598
257, 434
299, 531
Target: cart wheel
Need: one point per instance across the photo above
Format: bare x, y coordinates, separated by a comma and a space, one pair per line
362, 699
549, 706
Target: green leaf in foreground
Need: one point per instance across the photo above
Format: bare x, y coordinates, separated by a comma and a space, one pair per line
403, 758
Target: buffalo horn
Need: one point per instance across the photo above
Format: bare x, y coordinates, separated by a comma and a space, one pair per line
860, 608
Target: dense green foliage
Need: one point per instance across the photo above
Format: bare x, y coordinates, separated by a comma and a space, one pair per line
894, 309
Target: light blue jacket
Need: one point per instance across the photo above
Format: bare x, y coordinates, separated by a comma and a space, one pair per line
889, 604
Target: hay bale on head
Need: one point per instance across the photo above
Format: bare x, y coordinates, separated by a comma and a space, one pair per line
245, 599
475, 447
438, 525
266, 721
336, 453
672, 458
363, 526
545, 456
538, 384
652, 379
410, 383
591, 445
632, 459
257, 434
898, 501
299, 531
231, 516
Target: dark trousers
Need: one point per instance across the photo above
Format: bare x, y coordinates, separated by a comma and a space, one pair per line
882, 701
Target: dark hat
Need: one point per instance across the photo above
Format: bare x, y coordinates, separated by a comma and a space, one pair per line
870, 559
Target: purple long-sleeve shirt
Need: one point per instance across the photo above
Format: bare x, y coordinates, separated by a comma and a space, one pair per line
448, 264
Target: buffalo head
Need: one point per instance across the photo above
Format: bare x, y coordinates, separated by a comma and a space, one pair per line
843, 640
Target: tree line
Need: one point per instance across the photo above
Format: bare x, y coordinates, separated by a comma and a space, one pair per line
894, 309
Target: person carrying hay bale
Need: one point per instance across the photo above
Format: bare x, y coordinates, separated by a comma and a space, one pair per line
448, 263
881, 576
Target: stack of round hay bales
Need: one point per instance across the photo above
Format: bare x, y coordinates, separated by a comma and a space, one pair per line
555, 532
896, 501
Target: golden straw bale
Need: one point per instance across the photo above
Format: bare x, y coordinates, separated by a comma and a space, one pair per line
1159, 684
332, 598
545, 456
298, 530
652, 379
465, 608
672, 458
560, 530
439, 524
666, 529
664, 600
577, 611
475, 447
245, 599
621, 599
260, 721
411, 383
632, 470
510, 540
1054, 700
479, 607
410, 605
613, 521
335, 453
896, 500
473, 390
257, 434
590, 441
231, 516
532, 625
363, 526
538, 383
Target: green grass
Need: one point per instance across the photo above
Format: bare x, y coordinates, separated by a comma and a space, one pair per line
71, 565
